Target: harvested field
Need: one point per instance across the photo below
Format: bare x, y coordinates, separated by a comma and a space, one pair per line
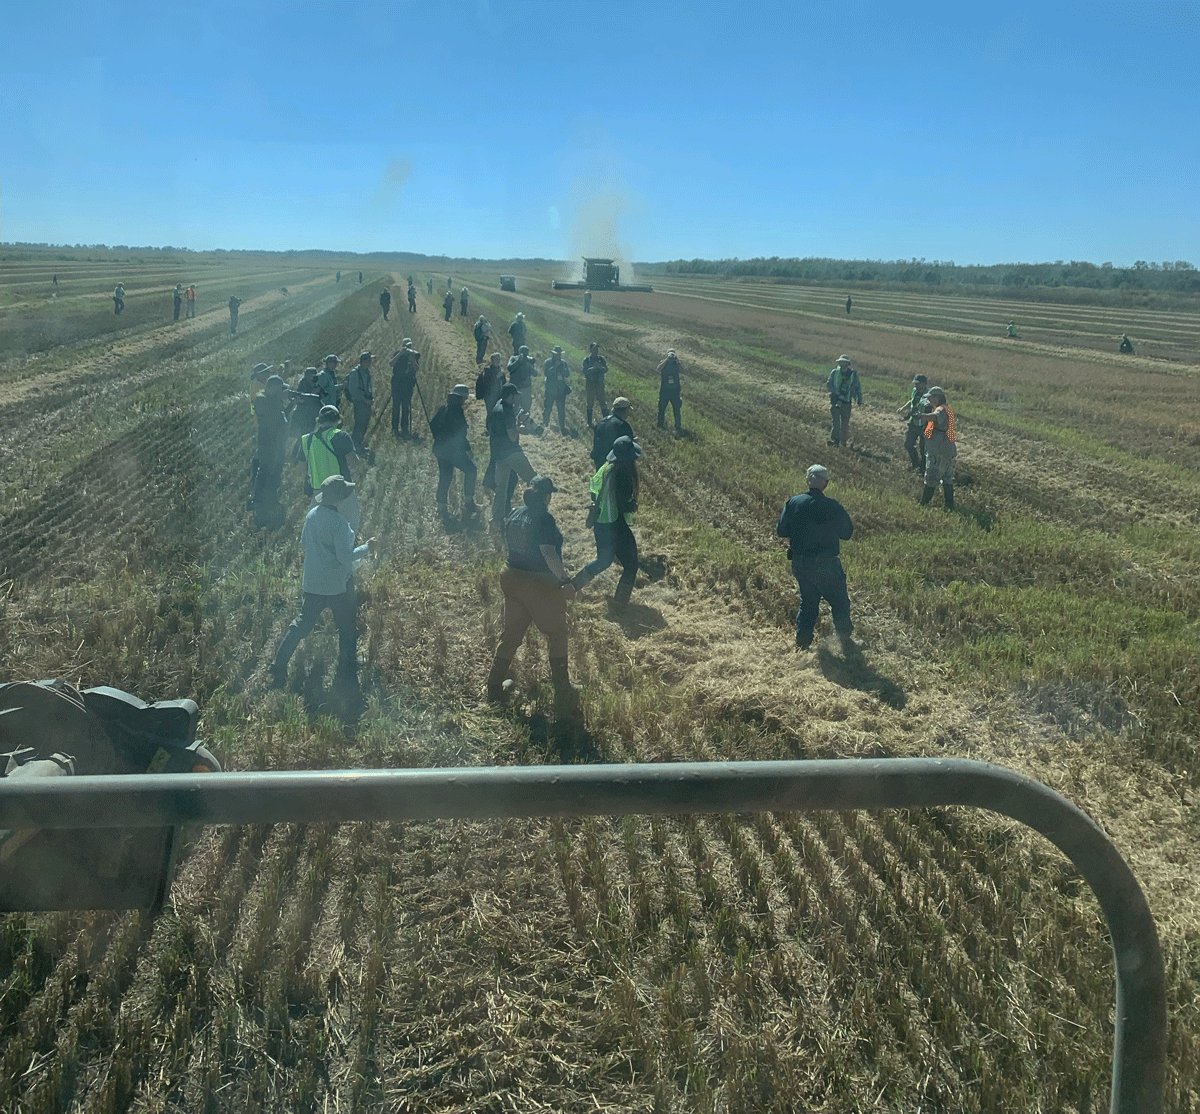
936, 960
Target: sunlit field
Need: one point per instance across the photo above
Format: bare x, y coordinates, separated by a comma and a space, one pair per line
934, 960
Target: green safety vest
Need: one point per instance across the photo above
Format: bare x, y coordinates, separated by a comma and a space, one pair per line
322, 460
604, 497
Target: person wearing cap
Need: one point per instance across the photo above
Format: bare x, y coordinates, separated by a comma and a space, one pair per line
405, 364
536, 590
505, 425
1012, 329
360, 390
329, 555
521, 369
941, 448
119, 298
815, 527
614, 490
556, 370
307, 406
270, 410
595, 367
587, 301
452, 450
448, 304
329, 451
234, 305
490, 382
912, 412
1126, 344
190, 296
177, 295
843, 387
482, 331
385, 302
412, 297
609, 429
518, 332
669, 390
463, 298
327, 381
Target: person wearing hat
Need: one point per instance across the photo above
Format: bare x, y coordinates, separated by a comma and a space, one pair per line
669, 390
815, 527
270, 411
452, 450
941, 448
556, 370
595, 367
448, 304
521, 369
307, 399
482, 331
234, 305
506, 422
490, 382
843, 387
912, 412
1012, 329
1126, 344
190, 296
119, 298
360, 390
463, 298
607, 430
405, 364
412, 297
518, 332
177, 294
327, 381
329, 451
587, 301
536, 590
614, 491
385, 302
329, 555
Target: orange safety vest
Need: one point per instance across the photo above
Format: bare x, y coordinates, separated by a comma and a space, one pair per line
930, 425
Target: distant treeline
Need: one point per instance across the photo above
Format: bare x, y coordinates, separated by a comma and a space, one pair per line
1010, 278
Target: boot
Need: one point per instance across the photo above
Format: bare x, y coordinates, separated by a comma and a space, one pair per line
623, 592
499, 686
926, 495
948, 495
566, 695
448, 523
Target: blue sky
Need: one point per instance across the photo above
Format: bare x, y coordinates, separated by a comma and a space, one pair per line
492, 128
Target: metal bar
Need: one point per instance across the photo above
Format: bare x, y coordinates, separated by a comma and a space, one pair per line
1139, 1044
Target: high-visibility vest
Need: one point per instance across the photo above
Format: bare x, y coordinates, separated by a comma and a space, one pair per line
322, 460
602, 494
931, 425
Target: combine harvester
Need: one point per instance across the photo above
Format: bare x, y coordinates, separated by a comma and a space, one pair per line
600, 274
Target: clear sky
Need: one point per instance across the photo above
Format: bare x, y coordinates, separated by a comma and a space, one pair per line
978, 133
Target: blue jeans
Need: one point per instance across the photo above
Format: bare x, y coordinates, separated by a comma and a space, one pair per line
821, 578
615, 541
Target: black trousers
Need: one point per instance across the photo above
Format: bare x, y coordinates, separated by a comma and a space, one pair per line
402, 392
345, 616
615, 542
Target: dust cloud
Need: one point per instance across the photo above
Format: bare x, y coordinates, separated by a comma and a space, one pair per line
595, 232
398, 172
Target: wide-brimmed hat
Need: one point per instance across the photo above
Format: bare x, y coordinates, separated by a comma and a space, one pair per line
335, 359
329, 414
621, 403
920, 379
406, 342
260, 368
842, 359
557, 349
523, 350
624, 449
460, 390
365, 356
334, 490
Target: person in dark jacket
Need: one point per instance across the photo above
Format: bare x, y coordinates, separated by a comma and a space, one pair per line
595, 367
463, 298
482, 333
669, 390
815, 527
448, 303
505, 424
385, 302
412, 298
518, 332
556, 370
308, 405
405, 365
270, 410
521, 368
536, 590
234, 305
490, 382
614, 498
605, 435
178, 297
452, 450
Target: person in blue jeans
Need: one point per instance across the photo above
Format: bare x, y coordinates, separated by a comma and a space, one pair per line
614, 498
815, 527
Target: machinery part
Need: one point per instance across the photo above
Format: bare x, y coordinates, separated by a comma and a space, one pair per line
508, 282
600, 274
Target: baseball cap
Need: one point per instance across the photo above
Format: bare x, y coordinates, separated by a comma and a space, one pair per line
621, 403
329, 414
460, 391
334, 490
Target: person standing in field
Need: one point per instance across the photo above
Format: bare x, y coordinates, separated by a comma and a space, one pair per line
505, 425
521, 368
451, 449
517, 332
429, 283
270, 410
360, 390
556, 370
669, 390
815, 527
482, 331
1126, 344
329, 451
609, 430
234, 304
338, 277
118, 299
536, 590
448, 303
587, 301
190, 296
843, 387
385, 302
307, 401
1012, 329
329, 555
614, 490
360, 278
595, 367
54, 280
327, 381
941, 448
404, 379
490, 382
412, 298
177, 297
913, 411
847, 303
462, 301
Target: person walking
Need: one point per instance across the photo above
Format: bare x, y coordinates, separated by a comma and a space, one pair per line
234, 305
557, 371
412, 298
405, 365
329, 451
490, 382
843, 387
482, 332
941, 448
609, 430
451, 449
594, 369
521, 368
190, 297
338, 278
448, 303
327, 381
505, 424
270, 412
913, 411
118, 299
848, 303
614, 490
385, 302
429, 284
177, 298
360, 390
669, 390
360, 278
815, 527
587, 301
329, 555
518, 332
536, 590
462, 300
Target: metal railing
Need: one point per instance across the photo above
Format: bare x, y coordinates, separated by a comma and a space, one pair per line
1140, 1038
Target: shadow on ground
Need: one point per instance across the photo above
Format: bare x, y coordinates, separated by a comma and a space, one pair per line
851, 670
636, 619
